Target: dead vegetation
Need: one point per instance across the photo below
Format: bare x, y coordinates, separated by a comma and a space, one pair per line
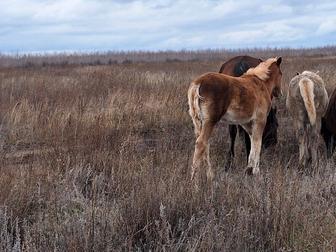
98, 158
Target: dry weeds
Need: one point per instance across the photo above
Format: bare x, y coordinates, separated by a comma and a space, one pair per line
98, 158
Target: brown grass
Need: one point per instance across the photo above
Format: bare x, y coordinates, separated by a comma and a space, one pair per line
98, 158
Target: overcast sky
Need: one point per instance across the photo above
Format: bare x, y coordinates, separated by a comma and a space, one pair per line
99, 25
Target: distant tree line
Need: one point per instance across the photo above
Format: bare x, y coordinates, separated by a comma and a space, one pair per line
127, 57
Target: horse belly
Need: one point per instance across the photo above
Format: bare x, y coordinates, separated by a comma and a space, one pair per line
237, 116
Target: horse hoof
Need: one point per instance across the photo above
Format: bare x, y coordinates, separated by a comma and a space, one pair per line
249, 171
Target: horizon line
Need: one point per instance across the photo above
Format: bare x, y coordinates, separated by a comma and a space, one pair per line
112, 51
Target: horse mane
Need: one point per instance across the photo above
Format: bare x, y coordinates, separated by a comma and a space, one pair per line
262, 70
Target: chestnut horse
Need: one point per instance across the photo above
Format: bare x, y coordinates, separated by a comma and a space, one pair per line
244, 100
328, 130
236, 67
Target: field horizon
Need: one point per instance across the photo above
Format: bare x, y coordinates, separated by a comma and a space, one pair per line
29, 59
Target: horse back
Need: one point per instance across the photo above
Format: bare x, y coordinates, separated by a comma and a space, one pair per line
223, 86
223, 93
237, 66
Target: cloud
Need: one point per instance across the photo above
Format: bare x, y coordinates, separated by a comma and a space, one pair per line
39, 25
327, 26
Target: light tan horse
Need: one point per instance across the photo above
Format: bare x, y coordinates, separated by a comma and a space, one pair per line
244, 100
307, 101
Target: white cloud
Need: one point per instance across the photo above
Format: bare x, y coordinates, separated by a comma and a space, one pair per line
327, 26
163, 24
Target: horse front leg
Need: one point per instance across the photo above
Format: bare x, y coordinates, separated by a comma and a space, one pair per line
233, 134
247, 144
256, 140
231, 153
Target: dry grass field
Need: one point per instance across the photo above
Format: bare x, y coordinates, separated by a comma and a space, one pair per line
96, 157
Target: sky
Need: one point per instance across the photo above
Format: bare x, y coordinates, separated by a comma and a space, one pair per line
108, 25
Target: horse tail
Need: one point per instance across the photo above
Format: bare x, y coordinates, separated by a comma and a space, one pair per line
195, 112
307, 92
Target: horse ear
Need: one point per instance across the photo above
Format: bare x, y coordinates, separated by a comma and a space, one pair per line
279, 60
317, 72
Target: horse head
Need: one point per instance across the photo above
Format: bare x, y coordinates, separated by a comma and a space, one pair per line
276, 76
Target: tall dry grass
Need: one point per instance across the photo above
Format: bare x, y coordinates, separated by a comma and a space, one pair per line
97, 158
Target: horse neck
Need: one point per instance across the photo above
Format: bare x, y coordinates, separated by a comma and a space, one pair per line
270, 86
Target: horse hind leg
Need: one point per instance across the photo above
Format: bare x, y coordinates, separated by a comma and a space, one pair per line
303, 148
197, 129
311, 138
210, 173
314, 146
196, 121
328, 139
306, 159
333, 144
202, 150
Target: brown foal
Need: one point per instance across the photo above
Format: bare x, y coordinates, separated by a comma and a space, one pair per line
244, 100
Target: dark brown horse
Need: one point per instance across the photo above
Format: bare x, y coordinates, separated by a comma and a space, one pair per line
236, 67
328, 129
